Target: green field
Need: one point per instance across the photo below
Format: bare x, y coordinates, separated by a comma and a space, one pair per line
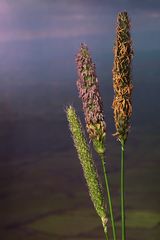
44, 197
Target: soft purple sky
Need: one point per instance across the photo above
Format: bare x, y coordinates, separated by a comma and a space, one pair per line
38, 43
27, 20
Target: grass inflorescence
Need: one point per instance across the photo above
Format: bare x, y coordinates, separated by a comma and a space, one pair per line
88, 88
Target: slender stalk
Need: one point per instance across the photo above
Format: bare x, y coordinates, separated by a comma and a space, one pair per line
106, 234
109, 196
122, 192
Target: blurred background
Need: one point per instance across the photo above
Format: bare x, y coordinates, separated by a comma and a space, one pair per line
43, 195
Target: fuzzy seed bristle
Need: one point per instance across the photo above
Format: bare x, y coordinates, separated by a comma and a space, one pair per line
88, 166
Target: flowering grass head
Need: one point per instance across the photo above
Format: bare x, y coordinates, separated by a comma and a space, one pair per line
122, 84
88, 166
88, 88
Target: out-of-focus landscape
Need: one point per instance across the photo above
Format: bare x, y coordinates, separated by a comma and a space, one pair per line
43, 195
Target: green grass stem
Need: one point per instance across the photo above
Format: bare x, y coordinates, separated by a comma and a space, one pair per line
102, 156
122, 192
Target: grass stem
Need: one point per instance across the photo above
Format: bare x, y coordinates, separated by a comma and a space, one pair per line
109, 196
122, 192
106, 234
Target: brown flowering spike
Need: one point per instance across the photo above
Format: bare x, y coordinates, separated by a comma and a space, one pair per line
88, 88
122, 85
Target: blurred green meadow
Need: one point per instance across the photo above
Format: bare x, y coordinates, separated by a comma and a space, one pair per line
44, 196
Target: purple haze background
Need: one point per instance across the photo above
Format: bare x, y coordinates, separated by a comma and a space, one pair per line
38, 43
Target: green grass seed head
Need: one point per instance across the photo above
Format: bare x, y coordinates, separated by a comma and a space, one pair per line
88, 166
